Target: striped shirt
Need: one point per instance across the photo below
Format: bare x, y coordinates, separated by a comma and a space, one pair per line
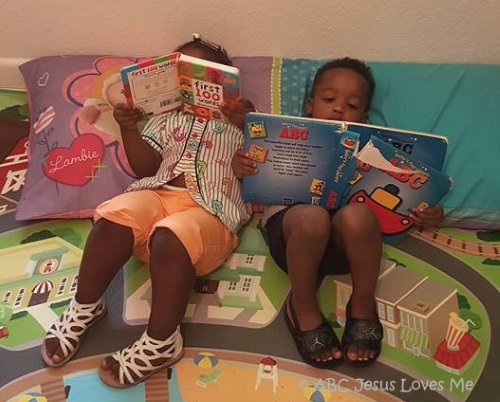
202, 150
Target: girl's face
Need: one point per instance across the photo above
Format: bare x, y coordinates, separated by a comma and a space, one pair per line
341, 94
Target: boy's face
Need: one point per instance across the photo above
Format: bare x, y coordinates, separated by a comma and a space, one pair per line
341, 94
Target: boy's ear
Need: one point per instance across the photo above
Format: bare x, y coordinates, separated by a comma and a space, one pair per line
308, 107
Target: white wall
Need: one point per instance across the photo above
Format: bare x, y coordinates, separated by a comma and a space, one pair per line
382, 30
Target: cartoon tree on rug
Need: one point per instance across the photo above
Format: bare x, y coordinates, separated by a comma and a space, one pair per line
68, 234
467, 315
16, 112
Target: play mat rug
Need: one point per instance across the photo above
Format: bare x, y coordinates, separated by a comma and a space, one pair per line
436, 295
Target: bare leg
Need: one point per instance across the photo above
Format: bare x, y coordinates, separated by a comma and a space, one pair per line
357, 230
172, 278
306, 229
108, 247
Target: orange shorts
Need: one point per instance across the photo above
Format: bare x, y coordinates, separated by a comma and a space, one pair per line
207, 240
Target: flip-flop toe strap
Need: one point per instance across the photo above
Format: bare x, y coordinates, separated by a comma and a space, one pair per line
365, 333
320, 340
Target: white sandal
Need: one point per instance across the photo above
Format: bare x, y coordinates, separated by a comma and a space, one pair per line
135, 361
70, 329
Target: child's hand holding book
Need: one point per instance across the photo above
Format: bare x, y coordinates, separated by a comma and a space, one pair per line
127, 117
428, 217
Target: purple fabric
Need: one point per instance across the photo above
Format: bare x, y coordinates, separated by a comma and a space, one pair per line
256, 80
73, 165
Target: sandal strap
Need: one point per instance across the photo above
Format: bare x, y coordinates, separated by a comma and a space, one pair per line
317, 341
313, 342
136, 358
73, 323
368, 333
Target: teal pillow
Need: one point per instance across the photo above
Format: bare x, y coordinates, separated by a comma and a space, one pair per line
460, 101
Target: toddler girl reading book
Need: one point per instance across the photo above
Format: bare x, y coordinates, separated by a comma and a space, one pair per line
182, 216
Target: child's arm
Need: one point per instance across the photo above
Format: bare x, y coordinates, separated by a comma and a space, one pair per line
143, 159
428, 217
241, 165
236, 111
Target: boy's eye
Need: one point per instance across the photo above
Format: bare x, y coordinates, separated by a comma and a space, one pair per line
353, 106
328, 100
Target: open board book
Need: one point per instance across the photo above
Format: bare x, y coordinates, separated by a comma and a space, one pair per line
332, 163
177, 81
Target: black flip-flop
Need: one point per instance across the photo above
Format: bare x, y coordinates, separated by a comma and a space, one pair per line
365, 334
313, 342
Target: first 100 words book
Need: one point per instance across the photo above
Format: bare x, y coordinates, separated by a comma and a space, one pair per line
177, 81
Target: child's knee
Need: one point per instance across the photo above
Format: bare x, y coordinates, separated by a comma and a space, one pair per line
307, 220
358, 218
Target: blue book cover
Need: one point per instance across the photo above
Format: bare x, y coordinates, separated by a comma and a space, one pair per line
394, 183
298, 159
426, 147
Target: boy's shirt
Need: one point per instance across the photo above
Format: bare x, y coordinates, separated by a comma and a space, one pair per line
202, 150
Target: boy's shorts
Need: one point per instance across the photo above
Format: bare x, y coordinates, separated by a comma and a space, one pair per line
207, 240
334, 261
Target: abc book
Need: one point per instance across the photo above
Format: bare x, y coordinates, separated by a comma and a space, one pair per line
323, 162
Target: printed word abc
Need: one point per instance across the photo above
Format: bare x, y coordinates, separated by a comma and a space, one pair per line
294, 133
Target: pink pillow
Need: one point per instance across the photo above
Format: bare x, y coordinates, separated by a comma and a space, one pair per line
76, 159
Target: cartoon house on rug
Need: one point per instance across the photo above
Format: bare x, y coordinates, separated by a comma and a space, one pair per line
38, 272
412, 308
12, 175
234, 284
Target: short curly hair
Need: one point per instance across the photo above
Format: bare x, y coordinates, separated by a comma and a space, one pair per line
356, 65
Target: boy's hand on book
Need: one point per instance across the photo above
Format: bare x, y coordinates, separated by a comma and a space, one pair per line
127, 117
236, 111
428, 217
242, 164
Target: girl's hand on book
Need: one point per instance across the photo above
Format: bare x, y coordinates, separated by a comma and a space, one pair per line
242, 164
428, 217
127, 117
236, 111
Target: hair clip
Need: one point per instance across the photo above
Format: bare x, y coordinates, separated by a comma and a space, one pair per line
218, 48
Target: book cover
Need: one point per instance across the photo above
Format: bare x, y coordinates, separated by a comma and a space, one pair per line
299, 160
152, 85
205, 86
394, 183
426, 147
175, 81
